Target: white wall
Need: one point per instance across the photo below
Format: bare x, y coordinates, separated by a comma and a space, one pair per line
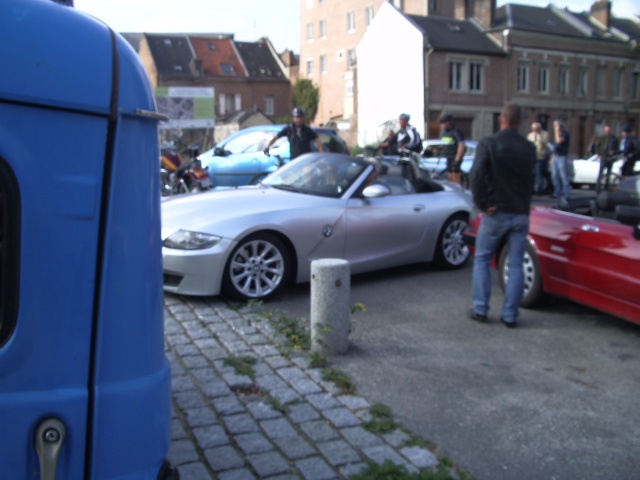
390, 74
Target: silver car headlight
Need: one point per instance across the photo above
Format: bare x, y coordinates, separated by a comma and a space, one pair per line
185, 240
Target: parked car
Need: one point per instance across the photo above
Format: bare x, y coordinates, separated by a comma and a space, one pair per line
240, 159
585, 172
590, 260
85, 387
248, 243
436, 164
627, 192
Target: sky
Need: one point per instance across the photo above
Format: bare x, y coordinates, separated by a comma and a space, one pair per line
248, 20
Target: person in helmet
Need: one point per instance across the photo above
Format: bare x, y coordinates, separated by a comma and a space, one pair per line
453, 147
407, 137
300, 135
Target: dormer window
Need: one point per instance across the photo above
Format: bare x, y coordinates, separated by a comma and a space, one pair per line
212, 46
227, 69
177, 68
167, 42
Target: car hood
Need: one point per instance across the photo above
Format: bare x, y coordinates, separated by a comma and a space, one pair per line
229, 212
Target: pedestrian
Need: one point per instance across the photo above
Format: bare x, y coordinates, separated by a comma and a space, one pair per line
540, 139
560, 161
453, 147
406, 137
630, 150
606, 148
501, 179
300, 135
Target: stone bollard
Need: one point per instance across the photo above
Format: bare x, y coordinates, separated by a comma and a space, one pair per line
330, 312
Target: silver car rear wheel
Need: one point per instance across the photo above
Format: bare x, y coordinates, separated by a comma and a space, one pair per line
258, 268
452, 252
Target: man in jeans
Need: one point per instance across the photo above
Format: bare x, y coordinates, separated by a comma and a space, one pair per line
560, 161
501, 179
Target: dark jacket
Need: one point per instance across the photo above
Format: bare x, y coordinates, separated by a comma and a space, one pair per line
503, 172
299, 141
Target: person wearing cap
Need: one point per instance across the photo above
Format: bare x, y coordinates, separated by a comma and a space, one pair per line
630, 150
453, 147
407, 137
300, 135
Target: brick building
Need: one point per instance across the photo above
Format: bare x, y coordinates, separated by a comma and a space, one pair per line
469, 57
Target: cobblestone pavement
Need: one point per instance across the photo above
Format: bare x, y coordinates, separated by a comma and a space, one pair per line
230, 426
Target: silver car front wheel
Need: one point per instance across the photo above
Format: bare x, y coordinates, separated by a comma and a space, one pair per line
258, 268
451, 251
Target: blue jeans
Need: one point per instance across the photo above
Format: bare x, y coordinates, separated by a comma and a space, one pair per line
493, 228
562, 187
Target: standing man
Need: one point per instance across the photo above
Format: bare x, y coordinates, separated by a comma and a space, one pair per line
501, 179
540, 140
300, 135
407, 137
560, 160
453, 147
606, 147
630, 149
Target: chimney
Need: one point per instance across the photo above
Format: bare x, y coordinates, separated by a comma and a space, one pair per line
461, 9
484, 11
601, 11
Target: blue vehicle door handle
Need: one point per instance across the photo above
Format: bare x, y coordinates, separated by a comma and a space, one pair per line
418, 207
49, 438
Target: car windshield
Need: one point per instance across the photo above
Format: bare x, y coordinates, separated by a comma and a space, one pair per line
248, 142
317, 174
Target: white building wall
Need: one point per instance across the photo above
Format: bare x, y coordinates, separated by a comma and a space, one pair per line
390, 75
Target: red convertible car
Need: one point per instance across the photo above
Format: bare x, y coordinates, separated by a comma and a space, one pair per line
590, 260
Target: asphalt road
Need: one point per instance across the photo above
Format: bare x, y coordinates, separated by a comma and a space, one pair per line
554, 399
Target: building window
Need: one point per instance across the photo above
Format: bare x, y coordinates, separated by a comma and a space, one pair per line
543, 79
455, 76
323, 64
269, 106
617, 83
348, 87
222, 104
10, 213
476, 75
601, 75
563, 81
351, 21
466, 74
582, 82
635, 85
351, 58
309, 67
322, 27
227, 69
309, 31
523, 77
368, 15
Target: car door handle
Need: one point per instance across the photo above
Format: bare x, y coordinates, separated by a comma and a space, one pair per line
49, 438
418, 207
590, 228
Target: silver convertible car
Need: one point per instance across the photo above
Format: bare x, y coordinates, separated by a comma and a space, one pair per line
250, 242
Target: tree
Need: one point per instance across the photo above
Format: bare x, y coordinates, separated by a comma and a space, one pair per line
307, 96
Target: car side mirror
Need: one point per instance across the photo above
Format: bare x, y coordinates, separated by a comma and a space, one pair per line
629, 215
219, 152
376, 191
428, 153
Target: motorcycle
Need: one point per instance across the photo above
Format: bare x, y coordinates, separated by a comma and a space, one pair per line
180, 176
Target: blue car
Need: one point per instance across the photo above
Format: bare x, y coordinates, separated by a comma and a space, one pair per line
239, 159
85, 387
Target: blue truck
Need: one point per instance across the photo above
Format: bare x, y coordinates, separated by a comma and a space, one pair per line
85, 387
